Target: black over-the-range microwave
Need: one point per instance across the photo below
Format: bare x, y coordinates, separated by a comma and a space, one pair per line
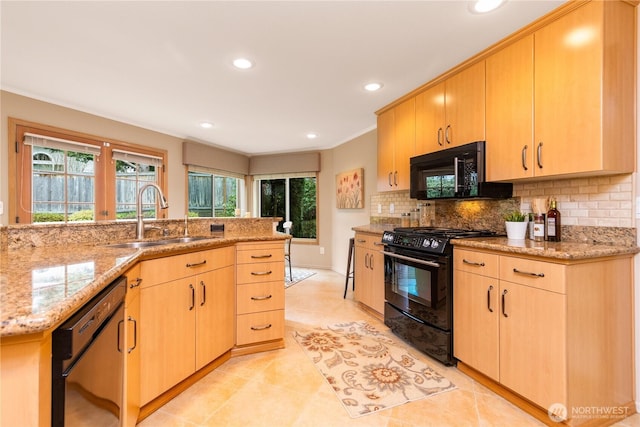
454, 173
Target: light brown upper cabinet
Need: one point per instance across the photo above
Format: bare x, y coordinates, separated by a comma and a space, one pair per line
510, 144
396, 145
583, 97
452, 113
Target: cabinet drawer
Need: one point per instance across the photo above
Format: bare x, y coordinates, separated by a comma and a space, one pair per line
538, 274
369, 241
476, 262
260, 272
258, 327
169, 268
257, 297
268, 253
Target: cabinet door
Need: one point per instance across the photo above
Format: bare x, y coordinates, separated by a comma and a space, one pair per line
386, 135
430, 122
376, 265
215, 314
362, 291
568, 90
404, 143
475, 322
465, 106
510, 145
167, 336
533, 343
131, 405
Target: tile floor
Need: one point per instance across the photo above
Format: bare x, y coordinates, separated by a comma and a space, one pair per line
283, 388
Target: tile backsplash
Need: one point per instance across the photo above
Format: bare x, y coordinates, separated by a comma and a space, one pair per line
591, 208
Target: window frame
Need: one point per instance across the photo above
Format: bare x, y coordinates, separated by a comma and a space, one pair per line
20, 170
287, 176
241, 188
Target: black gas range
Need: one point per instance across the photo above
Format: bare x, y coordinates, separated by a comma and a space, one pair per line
419, 286
429, 240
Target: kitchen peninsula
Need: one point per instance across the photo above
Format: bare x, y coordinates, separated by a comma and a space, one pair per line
49, 272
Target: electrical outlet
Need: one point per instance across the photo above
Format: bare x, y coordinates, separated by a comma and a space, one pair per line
392, 208
379, 208
321, 250
1, 208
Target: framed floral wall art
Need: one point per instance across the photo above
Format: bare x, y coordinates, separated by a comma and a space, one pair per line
350, 189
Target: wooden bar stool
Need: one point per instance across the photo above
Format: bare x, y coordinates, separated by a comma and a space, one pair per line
350, 268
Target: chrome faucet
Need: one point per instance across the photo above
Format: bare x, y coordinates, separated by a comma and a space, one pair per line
140, 216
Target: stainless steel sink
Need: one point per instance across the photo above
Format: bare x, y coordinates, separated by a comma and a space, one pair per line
148, 243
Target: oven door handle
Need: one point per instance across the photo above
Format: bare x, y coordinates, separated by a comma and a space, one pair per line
406, 258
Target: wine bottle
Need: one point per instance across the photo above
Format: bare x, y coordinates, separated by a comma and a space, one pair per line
553, 222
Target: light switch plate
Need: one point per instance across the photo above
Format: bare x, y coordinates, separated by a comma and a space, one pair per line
392, 208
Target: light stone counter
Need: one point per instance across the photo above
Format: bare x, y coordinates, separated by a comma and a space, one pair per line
41, 287
566, 251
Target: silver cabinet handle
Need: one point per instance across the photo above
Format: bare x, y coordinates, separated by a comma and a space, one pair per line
261, 273
193, 297
261, 256
371, 261
539, 155
447, 133
204, 292
196, 264
366, 257
489, 298
440, 143
528, 273
389, 178
395, 178
262, 298
136, 283
477, 264
260, 328
504, 308
362, 241
135, 334
524, 157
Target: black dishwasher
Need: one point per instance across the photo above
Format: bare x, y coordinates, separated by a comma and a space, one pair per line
87, 363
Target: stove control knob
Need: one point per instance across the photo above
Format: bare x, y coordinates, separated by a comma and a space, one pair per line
426, 243
435, 243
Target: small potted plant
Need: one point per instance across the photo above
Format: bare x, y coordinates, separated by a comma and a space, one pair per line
516, 225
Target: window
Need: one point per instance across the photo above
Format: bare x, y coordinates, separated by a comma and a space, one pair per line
214, 194
64, 176
293, 198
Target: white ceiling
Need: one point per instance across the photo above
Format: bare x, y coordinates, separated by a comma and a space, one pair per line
166, 65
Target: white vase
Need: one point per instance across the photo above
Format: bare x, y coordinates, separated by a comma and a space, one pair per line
516, 230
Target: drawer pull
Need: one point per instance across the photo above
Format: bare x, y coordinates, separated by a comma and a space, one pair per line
262, 298
196, 264
261, 256
479, 264
489, 298
260, 328
504, 311
261, 273
136, 283
527, 273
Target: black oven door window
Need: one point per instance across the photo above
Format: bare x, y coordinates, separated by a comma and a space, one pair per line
420, 288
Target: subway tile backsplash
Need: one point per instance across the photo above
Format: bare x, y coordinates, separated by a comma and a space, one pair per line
590, 207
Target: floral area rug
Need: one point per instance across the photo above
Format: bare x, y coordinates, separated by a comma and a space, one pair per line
297, 275
368, 371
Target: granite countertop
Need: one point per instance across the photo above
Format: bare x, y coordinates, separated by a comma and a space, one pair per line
374, 228
566, 251
41, 287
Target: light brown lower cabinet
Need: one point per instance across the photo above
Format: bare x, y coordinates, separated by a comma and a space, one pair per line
131, 350
369, 271
186, 316
260, 295
547, 332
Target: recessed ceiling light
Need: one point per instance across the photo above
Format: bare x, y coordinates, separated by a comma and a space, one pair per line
312, 135
242, 63
372, 87
206, 125
484, 6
